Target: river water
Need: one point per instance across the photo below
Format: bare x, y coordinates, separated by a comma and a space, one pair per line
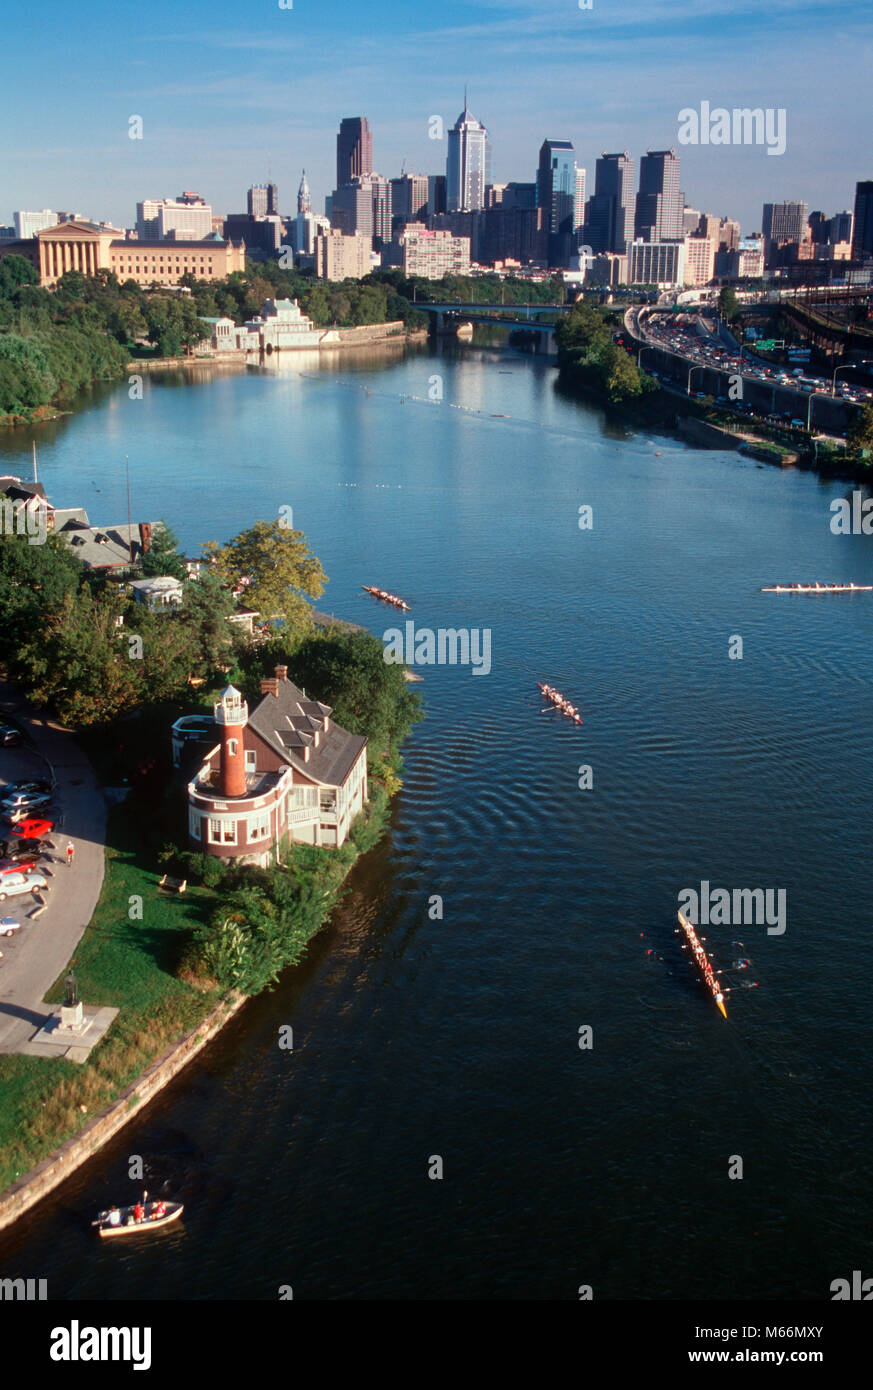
459, 1038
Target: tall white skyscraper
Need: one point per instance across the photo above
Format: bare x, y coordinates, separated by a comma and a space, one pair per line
468, 166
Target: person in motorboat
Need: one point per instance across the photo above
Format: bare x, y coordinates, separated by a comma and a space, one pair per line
138, 1212
160, 1210
114, 1218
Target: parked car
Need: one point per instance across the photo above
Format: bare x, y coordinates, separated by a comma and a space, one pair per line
13, 885
33, 828
24, 801
40, 785
8, 926
18, 850
24, 864
10, 737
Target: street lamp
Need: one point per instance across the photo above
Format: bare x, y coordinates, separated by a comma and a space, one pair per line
865, 362
696, 368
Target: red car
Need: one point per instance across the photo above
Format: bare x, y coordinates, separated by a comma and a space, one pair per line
17, 866
33, 829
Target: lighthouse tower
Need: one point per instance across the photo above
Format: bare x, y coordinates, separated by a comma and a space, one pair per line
231, 716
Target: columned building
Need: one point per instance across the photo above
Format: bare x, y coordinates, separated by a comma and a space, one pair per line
83, 246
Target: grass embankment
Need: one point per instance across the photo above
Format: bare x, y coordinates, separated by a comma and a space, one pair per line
128, 964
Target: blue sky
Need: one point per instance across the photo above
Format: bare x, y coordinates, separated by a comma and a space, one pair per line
228, 92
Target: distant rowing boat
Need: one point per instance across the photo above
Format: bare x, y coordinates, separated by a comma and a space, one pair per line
385, 596
556, 699
701, 960
818, 589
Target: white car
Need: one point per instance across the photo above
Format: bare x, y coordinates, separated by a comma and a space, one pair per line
24, 801
13, 885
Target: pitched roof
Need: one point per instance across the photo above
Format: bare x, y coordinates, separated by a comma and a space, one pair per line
105, 547
287, 722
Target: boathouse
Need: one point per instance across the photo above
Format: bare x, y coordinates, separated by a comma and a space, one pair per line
284, 771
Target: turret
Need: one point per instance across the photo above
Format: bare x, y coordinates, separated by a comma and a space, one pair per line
231, 716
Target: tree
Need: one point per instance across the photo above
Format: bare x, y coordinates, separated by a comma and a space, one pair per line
368, 695
728, 304
162, 556
204, 614
860, 434
35, 581
277, 561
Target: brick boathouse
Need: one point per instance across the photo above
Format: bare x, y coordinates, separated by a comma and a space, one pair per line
284, 770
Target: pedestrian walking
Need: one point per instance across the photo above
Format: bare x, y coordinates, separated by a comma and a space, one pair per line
71, 850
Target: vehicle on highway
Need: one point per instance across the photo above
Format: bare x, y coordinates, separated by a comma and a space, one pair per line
13, 885
10, 737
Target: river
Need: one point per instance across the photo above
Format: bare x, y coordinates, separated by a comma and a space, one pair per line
413, 1038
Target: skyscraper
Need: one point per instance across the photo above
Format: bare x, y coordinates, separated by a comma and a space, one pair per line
468, 166
659, 202
354, 150
263, 200
610, 220
783, 222
556, 195
862, 238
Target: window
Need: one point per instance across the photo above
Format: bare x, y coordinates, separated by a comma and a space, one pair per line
193, 823
251, 760
259, 825
222, 830
232, 747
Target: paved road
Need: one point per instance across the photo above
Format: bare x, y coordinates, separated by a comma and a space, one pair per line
35, 957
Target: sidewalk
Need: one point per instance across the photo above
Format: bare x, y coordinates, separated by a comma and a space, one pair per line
38, 953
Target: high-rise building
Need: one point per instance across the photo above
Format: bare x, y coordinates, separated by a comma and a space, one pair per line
556, 195
579, 208
468, 165
840, 227
818, 227
609, 220
304, 200
409, 198
340, 257
659, 200
699, 260
363, 206
436, 194
782, 223
263, 200
186, 218
862, 236
27, 224
354, 150
430, 254
656, 263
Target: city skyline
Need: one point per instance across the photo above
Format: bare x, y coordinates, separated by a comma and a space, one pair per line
262, 105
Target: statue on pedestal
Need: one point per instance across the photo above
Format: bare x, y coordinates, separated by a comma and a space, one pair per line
71, 991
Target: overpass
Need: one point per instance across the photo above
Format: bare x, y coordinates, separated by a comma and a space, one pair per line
527, 316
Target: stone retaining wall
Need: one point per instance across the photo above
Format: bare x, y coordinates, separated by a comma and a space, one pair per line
46, 1176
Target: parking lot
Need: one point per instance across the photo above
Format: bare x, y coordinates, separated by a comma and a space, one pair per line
41, 946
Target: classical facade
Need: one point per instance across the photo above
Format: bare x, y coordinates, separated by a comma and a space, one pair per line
90, 247
283, 771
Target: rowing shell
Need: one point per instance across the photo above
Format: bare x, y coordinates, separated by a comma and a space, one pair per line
702, 961
818, 589
555, 698
386, 598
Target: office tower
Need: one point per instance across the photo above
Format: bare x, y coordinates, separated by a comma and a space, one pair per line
690, 220
304, 201
436, 194
610, 217
468, 165
840, 227
818, 227
257, 200
186, 218
784, 221
659, 201
579, 207
409, 196
27, 224
728, 234
556, 196
354, 150
363, 206
862, 236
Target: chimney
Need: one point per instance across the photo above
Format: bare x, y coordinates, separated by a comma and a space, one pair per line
270, 686
281, 673
145, 536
